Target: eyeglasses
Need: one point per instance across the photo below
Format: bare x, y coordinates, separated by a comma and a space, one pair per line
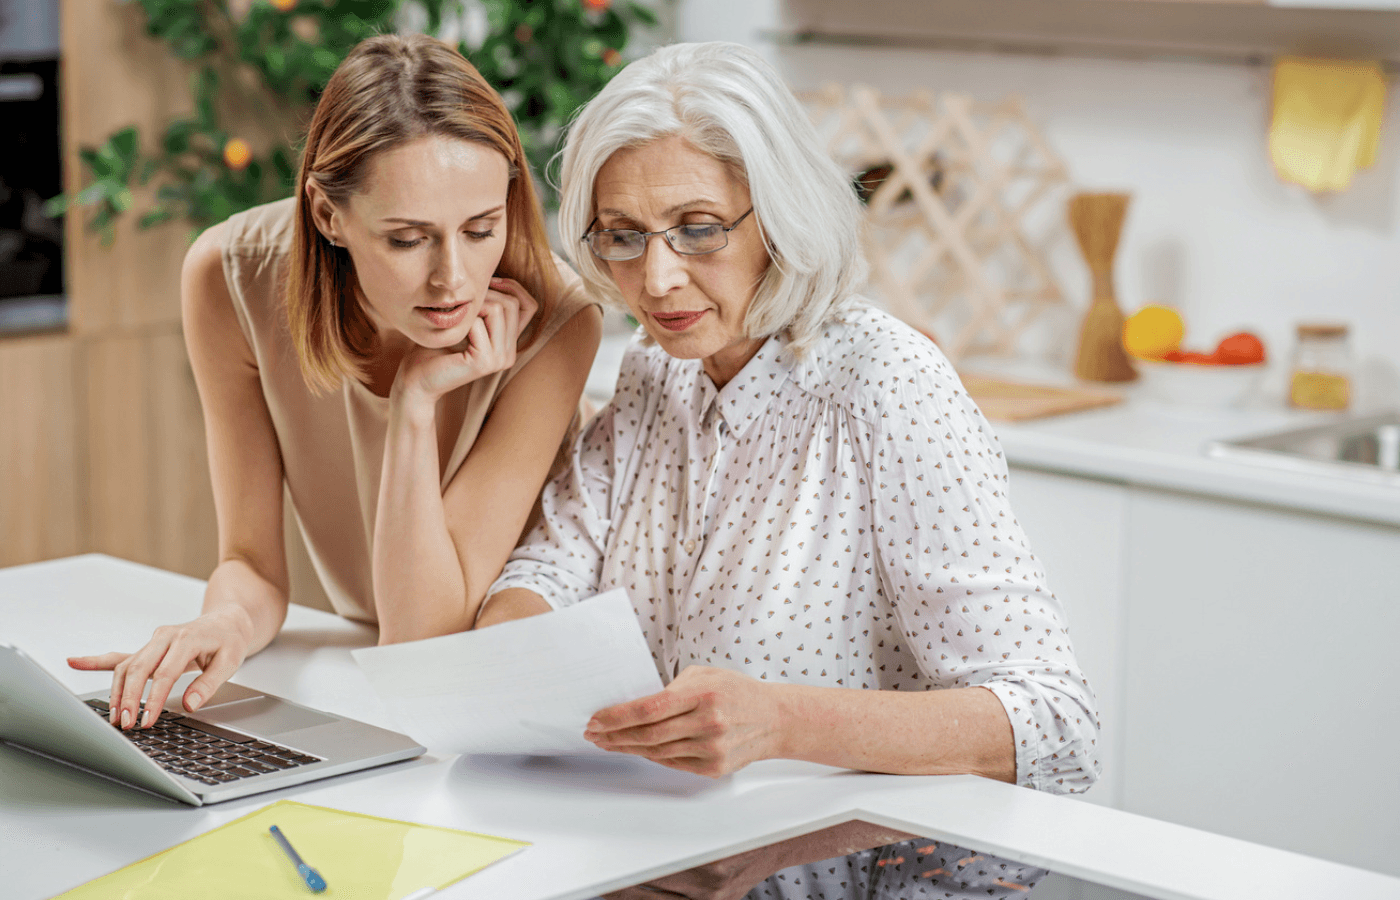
617, 244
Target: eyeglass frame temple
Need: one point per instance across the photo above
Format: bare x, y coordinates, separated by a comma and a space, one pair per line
649, 234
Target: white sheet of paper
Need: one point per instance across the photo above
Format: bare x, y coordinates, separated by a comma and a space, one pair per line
527, 686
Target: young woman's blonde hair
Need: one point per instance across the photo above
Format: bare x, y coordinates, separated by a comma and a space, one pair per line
727, 102
389, 90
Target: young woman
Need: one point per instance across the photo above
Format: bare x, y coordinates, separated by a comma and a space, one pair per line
396, 348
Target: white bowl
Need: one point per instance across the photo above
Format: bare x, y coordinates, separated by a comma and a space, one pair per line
1199, 384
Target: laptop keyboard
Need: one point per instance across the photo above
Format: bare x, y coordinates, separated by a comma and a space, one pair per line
206, 752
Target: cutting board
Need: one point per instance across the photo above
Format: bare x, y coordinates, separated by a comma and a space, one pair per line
1014, 401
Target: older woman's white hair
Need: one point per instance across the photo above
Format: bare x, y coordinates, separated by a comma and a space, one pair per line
728, 102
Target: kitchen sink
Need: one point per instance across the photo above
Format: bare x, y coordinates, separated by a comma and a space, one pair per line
1365, 449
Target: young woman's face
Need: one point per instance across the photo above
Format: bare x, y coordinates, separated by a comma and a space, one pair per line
426, 233
693, 306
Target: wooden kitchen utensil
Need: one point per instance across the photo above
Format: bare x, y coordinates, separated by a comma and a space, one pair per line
1015, 401
1097, 221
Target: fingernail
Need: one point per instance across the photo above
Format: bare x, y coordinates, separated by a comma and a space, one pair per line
194, 701
148, 718
126, 719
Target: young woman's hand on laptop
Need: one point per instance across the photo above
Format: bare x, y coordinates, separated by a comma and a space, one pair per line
215, 643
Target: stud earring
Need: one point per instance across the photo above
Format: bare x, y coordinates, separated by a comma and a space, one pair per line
332, 241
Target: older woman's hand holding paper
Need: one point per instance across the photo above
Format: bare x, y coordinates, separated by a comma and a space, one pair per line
809, 515
708, 721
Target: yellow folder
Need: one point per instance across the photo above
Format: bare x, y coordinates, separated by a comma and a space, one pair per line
361, 857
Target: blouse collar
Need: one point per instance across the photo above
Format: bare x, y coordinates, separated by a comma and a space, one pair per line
746, 396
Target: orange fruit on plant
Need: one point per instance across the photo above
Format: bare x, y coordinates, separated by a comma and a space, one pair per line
1152, 332
237, 154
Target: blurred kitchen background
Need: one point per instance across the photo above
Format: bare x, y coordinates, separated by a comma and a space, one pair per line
1229, 556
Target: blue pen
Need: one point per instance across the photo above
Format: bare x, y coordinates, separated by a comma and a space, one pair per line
312, 878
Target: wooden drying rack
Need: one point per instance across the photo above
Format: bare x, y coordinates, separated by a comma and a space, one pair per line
947, 236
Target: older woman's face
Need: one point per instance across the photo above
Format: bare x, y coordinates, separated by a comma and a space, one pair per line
694, 306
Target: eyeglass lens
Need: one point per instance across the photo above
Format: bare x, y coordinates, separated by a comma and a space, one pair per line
628, 244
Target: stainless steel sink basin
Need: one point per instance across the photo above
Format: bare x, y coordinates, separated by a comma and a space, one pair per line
1366, 449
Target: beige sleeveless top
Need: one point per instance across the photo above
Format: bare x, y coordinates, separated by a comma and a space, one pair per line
333, 445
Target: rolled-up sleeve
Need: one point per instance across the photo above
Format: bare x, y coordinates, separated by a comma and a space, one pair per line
971, 598
561, 559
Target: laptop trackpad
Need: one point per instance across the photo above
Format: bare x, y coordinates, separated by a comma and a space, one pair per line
264, 716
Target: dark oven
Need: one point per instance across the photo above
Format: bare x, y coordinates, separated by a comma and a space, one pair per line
31, 243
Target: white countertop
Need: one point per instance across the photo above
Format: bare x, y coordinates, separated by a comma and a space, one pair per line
594, 826
1163, 446
1148, 442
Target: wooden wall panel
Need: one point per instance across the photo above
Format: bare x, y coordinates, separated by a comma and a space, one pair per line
120, 501
39, 451
114, 76
149, 498
185, 529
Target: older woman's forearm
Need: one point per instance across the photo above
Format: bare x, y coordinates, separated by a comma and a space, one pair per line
941, 732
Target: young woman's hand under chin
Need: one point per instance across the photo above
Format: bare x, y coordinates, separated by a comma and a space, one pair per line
425, 375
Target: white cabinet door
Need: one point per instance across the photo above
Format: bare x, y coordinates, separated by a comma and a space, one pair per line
1262, 676
1076, 527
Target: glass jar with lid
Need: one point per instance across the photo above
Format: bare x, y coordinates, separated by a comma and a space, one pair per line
1322, 368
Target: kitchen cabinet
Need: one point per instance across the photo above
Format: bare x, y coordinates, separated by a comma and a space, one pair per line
40, 487
1244, 658
102, 449
149, 496
1223, 30
1260, 692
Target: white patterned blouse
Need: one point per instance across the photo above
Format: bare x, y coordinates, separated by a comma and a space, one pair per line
838, 520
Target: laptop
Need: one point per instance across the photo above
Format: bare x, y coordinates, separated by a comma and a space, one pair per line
241, 742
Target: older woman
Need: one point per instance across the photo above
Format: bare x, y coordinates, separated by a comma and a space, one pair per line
808, 512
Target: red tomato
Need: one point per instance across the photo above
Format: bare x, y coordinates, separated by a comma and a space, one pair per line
1241, 348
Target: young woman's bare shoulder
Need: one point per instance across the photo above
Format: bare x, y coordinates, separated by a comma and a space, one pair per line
210, 321
202, 275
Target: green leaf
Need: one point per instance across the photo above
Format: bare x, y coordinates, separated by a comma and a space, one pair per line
206, 89
93, 193
125, 144
642, 14
156, 216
